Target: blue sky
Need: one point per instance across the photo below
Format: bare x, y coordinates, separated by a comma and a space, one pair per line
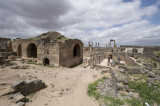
129, 22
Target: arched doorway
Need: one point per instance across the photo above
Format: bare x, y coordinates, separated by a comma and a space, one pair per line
46, 61
76, 51
19, 53
32, 50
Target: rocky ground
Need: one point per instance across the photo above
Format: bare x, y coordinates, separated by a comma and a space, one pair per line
24, 84
65, 86
135, 86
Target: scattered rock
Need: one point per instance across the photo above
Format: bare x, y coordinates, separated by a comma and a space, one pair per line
94, 75
2, 83
145, 71
104, 71
147, 104
125, 81
119, 86
28, 86
18, 97
20, 104
10, 97
15, 67
24, 67
127, 88
151, 75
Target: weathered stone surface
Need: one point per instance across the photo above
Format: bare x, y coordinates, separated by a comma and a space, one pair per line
127, 88
15, 67
119, 86
18, 97
151, 75
125, 81
108, 87
50, 48
28, 86
104, 71
24, 67
20, 104
2, 83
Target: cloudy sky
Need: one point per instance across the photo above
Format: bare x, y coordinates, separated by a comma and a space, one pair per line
133, 22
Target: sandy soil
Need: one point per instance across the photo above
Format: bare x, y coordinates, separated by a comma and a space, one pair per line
65, 86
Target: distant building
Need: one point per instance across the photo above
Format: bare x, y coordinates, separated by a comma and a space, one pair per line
128, 50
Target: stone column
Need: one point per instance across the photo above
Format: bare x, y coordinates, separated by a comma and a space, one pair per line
96, 45
90, 61
92, 44
110, 44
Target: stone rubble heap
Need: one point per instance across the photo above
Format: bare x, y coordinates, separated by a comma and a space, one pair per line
24, 88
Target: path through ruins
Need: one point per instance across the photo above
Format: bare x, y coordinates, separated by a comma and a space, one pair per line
66, 86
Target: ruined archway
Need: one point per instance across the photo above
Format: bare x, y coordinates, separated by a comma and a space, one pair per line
19, 50
76, 51
46, 61
32, 50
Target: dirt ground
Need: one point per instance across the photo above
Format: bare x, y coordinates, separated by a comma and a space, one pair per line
65, 86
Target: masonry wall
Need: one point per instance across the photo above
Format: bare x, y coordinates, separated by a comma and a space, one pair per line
24, 44
5, 45
49, 51
66, 53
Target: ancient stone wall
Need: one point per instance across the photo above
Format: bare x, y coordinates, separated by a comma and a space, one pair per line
48, 51
53, 53
96, 58
24, 43
5, 45
71, 53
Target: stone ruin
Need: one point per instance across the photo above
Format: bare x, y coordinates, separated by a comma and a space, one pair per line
49, 48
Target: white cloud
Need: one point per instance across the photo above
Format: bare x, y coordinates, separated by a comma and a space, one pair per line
88, 20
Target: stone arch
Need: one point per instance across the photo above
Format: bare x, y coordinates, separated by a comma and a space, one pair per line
19, 50
46, 61
76, 51
32, 50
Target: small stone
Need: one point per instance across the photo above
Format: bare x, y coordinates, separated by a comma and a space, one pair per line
10, 97
103, 71
125, 81
15, 67
20, 104
127, 88
119, 86
147, 104
2, 83
94, 75
18, 97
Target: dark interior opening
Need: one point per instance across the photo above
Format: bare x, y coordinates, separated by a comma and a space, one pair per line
32, 50
46, 61
76, 51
